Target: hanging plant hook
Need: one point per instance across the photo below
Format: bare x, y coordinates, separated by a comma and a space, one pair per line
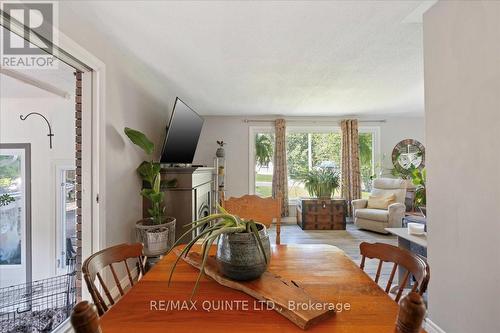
50, 135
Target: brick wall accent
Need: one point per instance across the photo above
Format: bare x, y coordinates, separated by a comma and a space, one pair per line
78, 182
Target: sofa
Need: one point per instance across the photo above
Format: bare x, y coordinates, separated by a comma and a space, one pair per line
377, 219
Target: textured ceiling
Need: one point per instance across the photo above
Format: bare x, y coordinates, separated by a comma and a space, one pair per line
264, 58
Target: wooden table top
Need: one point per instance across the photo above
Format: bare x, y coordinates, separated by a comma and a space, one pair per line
322, 270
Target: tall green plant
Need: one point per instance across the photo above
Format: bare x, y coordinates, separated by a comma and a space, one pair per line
149, 171
321, 182
418, 177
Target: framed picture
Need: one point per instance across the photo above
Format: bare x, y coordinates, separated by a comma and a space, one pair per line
15, 214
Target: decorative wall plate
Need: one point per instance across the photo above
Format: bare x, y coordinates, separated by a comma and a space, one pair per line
408, 153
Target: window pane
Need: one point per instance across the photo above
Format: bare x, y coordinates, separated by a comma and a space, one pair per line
326, 150
366, 161
14, 268
69, 216
264, 149
297, 155
310, 150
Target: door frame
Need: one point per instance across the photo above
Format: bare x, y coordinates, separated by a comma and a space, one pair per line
93, 141
93, 146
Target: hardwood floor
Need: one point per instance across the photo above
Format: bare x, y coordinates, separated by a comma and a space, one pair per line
347, 240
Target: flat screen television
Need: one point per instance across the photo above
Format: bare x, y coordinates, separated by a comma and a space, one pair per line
183, 132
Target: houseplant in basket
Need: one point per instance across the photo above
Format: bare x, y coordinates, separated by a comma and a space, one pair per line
243, 248
156, 232
321, 182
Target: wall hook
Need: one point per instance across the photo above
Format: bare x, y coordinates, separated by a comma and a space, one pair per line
50, 135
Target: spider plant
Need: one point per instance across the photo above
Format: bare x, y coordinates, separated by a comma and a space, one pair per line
210, 229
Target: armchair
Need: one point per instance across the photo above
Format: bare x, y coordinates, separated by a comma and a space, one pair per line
378, 219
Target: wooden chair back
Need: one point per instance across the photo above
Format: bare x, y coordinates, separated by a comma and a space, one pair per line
85, 319
412, 263
253, 207
95, 264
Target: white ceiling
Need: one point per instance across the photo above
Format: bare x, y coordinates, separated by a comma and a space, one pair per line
297, 58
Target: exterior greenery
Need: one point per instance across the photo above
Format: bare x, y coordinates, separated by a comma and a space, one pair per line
264, 149
149, 171
326, 147
6, 199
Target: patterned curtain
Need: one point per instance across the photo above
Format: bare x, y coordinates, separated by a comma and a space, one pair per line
351, 177
280, 178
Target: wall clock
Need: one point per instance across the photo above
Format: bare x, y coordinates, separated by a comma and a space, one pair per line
408, 154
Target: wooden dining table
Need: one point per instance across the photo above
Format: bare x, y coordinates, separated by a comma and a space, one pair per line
324, 271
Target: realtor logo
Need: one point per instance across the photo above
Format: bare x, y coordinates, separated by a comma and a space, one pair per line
38, 20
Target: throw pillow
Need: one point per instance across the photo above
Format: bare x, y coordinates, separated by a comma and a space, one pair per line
380, 202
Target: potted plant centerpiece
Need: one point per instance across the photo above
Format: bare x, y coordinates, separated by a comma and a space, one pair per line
243, 247
320, 211
321, 183
157, 231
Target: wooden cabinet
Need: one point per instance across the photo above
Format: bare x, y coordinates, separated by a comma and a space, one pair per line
321, 214
190, 199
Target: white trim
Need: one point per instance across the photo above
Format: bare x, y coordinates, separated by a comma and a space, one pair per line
26, 79
431, 327
95, 138
93, 147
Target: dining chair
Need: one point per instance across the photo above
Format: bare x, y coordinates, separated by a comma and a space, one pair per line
84, 318
94, 267
411, 262
263, 210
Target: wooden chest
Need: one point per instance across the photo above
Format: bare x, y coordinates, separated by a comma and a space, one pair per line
319, 214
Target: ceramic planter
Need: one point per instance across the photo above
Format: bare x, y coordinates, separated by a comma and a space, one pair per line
239, 256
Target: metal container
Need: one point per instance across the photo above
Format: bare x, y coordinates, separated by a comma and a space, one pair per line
239, 256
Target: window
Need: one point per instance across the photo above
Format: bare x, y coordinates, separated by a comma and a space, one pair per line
366, 160
263, 153
308, 148
66, 218
15, 216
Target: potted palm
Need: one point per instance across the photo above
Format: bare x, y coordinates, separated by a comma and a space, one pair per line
243, 247
156, 232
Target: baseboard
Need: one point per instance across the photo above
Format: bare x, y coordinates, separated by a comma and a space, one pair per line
431, 327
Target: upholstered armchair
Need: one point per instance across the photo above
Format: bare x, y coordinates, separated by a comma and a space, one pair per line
377, 219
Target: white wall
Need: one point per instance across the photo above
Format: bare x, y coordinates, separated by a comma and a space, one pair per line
60, 113
135, 97
235, 132
462, 91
